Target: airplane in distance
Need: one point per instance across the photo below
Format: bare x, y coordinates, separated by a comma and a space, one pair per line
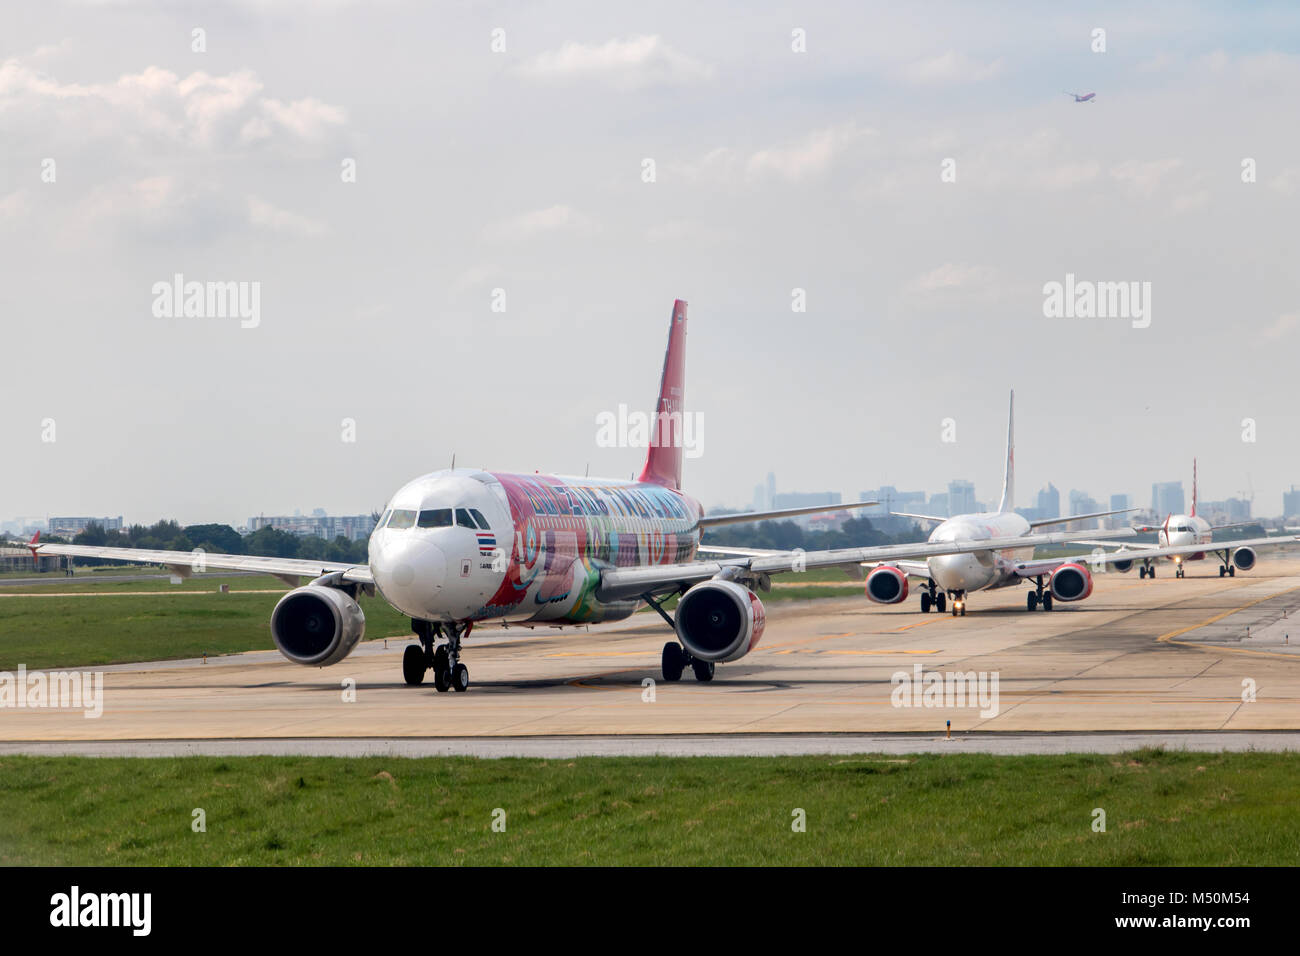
1081, 97
465, 547
1183, 538
955, 576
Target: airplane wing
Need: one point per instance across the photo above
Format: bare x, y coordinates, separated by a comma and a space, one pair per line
746, 516
736, 552
906, 514
624, 583
185, 563
1064, 520
1029, 569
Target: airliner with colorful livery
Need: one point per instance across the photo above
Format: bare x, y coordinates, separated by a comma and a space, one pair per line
463, 548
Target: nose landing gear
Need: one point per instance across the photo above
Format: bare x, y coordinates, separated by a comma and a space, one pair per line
444, 660
958, 604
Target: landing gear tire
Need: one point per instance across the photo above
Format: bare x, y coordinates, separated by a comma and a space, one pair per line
1142, 571
1232, 572
1047, 601
460, 678
1151, 572
703, 670
1031, 600
414, 664
673, 661
925, 602
1179, 573
941, 602
441, 669
1222, 571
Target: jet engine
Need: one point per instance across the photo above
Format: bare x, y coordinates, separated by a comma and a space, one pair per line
887, 585
317, 626
719, 621
1125, 566
1244, 558
1070, 582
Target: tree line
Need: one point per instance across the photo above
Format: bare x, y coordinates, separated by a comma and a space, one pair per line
221, 539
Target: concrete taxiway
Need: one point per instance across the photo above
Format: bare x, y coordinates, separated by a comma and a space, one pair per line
1202, 663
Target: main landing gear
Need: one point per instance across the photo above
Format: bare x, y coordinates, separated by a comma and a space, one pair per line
1040, 596
1181, 572
932, 597
675, 658
674, 661
444, 659
1148, 570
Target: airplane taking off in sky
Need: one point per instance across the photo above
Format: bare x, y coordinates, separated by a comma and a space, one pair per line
954, 576
1081, 97
463, 547
1183, 538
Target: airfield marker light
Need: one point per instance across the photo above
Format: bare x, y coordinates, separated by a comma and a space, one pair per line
948, 736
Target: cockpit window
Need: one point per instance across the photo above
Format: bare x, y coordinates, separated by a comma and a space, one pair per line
463, 519
478, 516
401, 519
436, 518
383, 521
1183, 527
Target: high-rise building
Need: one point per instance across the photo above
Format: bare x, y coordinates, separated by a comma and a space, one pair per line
1049, 502
1081, 503
771, 492
961, 498
1291, 502
1167, 498
1120, 503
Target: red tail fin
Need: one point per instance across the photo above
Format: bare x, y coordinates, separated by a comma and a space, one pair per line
663, 460
32, 547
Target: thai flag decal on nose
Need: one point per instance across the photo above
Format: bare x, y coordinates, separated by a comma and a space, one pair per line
487, 542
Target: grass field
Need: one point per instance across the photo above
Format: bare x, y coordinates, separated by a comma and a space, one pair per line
111, 624
114, 622
1161, 808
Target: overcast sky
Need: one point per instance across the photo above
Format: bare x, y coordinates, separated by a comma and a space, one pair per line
523, 170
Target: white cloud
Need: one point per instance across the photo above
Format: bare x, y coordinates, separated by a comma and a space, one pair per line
552, 219
950, 283
266, 216
1144, 177
812, 156
200, 109
951, 67
635, 63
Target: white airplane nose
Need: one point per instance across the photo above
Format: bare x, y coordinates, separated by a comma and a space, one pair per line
957, 572
410, 572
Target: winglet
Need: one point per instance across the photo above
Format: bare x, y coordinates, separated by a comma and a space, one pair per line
663, 460
1193, 488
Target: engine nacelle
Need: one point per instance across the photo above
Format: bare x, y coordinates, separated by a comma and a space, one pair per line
720, 621
1125, 566
317, 626
886, 585
1070, 582
1244, 558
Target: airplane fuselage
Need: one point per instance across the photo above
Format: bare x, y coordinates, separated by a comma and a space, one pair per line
1182, 530
979, 570
468, 545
